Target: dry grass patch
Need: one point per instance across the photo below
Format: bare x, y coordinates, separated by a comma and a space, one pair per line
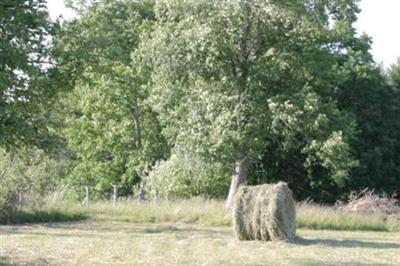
118, 243
192, 211
203, 212
369, 202
312, 216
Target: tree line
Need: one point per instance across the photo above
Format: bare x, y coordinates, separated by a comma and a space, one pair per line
193, 98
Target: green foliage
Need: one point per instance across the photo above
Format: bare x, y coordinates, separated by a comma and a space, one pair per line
394, 74
173, 93
185, 175
112, 131
365, 92
221, 73
101, 132
27, 73
307, 137
31, 174
40, 207
316, 128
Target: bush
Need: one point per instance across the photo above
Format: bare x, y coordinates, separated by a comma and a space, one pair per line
57, 206
5, 203
187, 175
27, 176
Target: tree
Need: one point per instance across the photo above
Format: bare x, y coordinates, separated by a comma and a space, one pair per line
114, 133
27, 74
219, 69
363, 90
394, 74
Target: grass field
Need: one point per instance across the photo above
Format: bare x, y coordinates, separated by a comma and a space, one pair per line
202, 212
190, 232
122, 243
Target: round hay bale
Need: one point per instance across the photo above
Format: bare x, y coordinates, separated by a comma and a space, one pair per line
264, 212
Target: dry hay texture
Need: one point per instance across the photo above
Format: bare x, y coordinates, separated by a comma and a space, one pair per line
264, 212
369, 202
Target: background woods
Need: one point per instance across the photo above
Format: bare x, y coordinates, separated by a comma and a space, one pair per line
177, 99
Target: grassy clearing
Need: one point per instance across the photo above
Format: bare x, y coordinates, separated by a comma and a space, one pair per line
205, 213
212, 213
120, 243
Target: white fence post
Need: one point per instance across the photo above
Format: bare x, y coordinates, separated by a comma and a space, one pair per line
142, 192
115, 195
155, 198
86, 195
20, 199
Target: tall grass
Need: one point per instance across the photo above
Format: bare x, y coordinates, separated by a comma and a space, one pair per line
41, 216
193, 211
201, 212
43, 213
312, 216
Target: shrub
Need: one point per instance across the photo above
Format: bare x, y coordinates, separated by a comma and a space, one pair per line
187, 175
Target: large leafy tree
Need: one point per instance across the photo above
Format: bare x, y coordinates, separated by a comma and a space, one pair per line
228, 77
29, 83
375, 102
27, 73
115, 135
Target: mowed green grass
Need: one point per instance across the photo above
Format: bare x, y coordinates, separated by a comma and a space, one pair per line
125, 243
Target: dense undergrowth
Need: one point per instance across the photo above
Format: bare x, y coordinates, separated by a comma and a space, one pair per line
41, 215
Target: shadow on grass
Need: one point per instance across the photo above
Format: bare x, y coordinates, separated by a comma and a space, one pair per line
347, 263
5, 261
101, 230
171, 229
98, 230
118, 227
345, 243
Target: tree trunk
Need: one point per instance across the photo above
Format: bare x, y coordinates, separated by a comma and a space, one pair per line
241, 169
137, 126
240, 72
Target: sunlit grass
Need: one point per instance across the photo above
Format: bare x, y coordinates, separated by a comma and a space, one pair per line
191, 211
322, 217
199, 211
121, 243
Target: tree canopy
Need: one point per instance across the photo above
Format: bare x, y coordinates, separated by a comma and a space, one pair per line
229, 78
187, 98
27, 82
